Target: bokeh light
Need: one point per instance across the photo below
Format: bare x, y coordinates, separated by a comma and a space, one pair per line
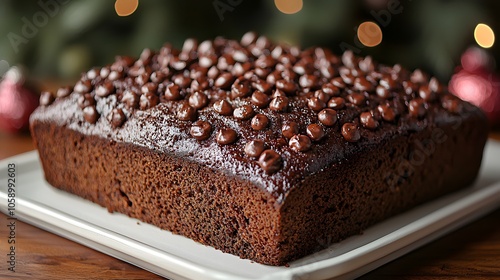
369, 34
484, 35
289, 6
126, 7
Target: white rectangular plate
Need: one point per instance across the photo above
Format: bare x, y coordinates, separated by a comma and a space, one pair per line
177, 257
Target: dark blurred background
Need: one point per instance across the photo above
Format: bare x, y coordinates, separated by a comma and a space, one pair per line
78, 34
59, 39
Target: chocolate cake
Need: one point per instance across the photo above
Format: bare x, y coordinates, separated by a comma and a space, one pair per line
258, 149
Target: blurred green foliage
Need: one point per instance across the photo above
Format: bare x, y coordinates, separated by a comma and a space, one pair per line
81, 33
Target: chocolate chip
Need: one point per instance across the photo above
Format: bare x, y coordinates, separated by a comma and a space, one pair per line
46, 98
173, 92
260, 85
356, 98
350, 132
181, 81
338, 82
388, 82
254, 148
115, 75
348, 59
187, 113
316, 104
198, 100
279, 104
85, 100
224, 62
105, 89
223, 107
81, 87
259, 122
321, 95
248, 38
286, 86
130, 99
266, 61
418, 76
270, 161
224, 81
117, 117
434, 85
244, 112
290, 129
453, 105
366, 64
315, 132
277, 93
327, 117
63, 92
416, 107
260, 99
158, 77
201, 130
387, 112
300, 143
148, 100
90, 114
240, 89
226, 136
347, 78
362, 84
104, 73
426, 93
199, 86
383, 92
149, 87
92, 73
368, 121
240, 55
410, 87
336, 103
330, 89
308, 81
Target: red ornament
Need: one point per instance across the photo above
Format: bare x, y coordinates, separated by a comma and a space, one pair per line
17, 102
476, 83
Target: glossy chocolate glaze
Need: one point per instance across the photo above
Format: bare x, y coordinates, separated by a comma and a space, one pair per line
137, 102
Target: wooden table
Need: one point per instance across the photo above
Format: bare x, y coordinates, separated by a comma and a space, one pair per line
472, 252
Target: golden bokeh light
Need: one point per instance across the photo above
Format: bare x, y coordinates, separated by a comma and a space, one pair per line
289, 6
484, 35
126, 7
369, 34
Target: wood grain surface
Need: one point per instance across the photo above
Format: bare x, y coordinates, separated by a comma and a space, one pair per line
472, 252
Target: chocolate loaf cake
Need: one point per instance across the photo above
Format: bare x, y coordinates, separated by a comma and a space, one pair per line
255, 148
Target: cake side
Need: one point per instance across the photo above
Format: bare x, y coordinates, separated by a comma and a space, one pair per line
174, 194
393, 175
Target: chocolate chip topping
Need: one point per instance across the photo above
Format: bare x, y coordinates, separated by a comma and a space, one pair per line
290, 129
223, 107
270, 161
279, 104
198, 100
259, 122
315, 132
350, 132
46, 98
327, 117
254, 148
300, 143
173, 92
117, 117
244, 112
63, 92
187, 113
416, 108
283, 90
90, 114
260, 99
386, 112
201, 130
85, 100
226, 136
368, 121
